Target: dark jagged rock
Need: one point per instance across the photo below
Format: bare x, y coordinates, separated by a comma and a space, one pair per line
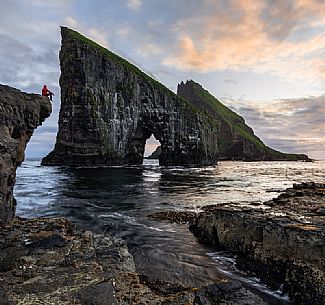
175, 216
20, 114
51, 261
156, 153
283, 245
109, 108
237, 140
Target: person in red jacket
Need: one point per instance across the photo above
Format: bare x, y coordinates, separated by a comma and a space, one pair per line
47, 92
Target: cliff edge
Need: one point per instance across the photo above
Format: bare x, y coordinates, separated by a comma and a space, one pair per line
20, 114
109, 108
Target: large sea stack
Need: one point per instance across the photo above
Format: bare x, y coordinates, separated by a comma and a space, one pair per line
109, 108
237, 140
20, 114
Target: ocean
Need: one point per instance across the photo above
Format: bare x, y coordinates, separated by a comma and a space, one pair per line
119, 199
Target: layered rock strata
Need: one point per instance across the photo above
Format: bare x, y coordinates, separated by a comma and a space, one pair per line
237, 140
109, 108
20, 114
283, 245
51, 261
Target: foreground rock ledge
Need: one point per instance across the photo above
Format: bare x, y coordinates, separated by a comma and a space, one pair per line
283, 245
20, 114
51, 261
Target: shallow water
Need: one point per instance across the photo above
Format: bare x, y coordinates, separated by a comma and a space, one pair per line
119, 199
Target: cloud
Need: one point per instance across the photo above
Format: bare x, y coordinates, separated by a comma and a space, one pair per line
290, 125
230, 81
24, 64
134, 4
149, 49
254, 36
124, 31
57, 4
98, 35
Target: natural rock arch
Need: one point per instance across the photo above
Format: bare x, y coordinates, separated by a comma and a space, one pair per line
109, 108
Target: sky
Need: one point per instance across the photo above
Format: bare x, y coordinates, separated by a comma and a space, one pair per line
264, 59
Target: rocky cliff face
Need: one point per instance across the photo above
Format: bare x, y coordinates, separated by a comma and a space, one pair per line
20, 114
109, 108
237, 140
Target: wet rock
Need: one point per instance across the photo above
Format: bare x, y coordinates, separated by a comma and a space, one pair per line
180, 217
227, 293
109, 108
20, 114
161, 287
96, 294
283, 245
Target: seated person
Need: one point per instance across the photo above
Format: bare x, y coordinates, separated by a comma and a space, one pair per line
47, 92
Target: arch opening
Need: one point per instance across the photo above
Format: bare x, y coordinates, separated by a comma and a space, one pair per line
142, 143
151, 147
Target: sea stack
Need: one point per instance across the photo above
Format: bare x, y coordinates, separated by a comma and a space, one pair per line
237, 140
20, 114
109, 108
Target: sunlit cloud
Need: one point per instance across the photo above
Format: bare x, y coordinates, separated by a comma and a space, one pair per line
149, 49
98, 35
256, 36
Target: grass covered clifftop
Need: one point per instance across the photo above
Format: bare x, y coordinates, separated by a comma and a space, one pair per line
112, 56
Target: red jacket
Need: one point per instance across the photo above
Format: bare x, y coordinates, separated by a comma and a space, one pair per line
45, 91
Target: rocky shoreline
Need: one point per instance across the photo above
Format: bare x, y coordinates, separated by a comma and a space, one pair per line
51, 261
281, 242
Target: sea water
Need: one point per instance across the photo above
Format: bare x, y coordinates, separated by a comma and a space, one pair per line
119, 199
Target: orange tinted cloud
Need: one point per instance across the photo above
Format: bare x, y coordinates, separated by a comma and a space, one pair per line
253, 35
